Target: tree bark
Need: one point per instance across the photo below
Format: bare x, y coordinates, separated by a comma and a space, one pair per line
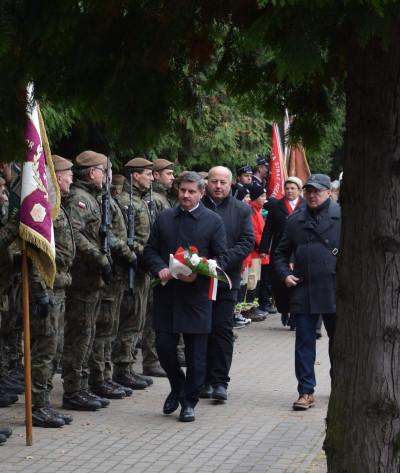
363, 421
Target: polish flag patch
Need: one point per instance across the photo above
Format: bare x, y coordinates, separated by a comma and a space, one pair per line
81, 204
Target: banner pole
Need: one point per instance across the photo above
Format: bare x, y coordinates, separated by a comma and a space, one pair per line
27, 346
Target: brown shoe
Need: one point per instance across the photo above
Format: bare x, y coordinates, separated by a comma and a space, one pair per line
304, 402
253, 315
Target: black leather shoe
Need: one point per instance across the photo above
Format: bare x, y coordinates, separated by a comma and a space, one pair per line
284, 318
44, 417
6, 431
9, 385
219, 393
171, 404
187, 414
7, 398
3, 438
79, 402
130, 381
155, 371
103, 389
206, 392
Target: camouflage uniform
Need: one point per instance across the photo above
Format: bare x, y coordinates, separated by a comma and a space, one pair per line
132, 313
108, 318
84, 295
47, 335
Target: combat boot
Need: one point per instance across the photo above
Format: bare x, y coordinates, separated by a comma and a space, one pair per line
67, 418
131, 381
42, 416
3, 438
91, 395
7, 398
78, 401
103, 389
110, 382
9, 385
18, 375
7, 431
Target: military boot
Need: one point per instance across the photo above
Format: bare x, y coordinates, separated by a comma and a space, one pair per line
43, 416
133, 382
104, 389
91, 395
78, 401
3, 438
67, 418
7, 398
9, 385
128, 391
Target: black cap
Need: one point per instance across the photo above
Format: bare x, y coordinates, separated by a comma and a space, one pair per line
244, 168
239, 192
255, 191
262, 161
319, 181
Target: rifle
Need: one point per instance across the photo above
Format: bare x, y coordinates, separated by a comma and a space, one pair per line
131, 233
152, 208
106, 217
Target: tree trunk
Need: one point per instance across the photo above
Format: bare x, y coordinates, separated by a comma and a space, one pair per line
363, 421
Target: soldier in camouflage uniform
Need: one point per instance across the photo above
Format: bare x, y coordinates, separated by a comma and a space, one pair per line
133, 307
9, 264
47, 312
163, 173
91, 267
100, 378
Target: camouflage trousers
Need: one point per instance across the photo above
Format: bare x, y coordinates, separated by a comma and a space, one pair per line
150, 357
81, 311
11, 328
106, 331
131, 323
47, 340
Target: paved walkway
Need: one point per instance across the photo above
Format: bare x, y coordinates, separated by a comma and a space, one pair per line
254, 431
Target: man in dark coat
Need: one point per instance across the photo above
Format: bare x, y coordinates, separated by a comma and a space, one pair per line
278, 212
312, 237
182, 305
240, 238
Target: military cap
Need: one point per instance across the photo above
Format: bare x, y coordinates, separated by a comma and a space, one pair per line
319, 181
262, 161
90, 159
118, 180
61, 164
294, 180
244, 168
161, 164
139, 163
2, 181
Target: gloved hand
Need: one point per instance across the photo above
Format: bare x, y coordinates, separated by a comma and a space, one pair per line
41, 307
106, 273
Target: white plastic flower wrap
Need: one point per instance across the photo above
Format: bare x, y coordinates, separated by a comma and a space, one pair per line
212, 266
195, 259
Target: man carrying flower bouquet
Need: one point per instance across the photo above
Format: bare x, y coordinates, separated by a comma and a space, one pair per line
183, 305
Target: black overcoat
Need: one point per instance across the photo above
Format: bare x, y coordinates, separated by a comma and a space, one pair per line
314, 261
181, 307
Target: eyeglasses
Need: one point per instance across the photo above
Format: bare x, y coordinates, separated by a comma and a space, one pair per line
315, 191
100, 169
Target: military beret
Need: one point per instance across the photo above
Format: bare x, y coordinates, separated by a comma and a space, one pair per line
89, 159
319, 181
2, 181
118, 180
161, 164
61, 164
139, 163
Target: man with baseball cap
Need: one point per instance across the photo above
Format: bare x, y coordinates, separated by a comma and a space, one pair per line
312, 237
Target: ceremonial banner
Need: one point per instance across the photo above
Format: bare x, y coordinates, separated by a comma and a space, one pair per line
40, 195
298, 165
278, 173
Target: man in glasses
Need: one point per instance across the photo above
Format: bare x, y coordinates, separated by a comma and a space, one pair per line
305, 261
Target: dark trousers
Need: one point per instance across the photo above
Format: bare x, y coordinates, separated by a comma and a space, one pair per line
305, 348
188, 385
220, 340
264, 288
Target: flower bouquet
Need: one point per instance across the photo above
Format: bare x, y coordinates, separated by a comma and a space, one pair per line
188, 261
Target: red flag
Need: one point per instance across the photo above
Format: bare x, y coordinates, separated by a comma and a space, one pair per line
298, 165
278, 173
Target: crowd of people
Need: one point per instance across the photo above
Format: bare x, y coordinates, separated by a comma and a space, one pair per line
102, 308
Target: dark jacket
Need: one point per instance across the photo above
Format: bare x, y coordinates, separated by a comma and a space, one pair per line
239, 234
314, 262
181, 307
275, 224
